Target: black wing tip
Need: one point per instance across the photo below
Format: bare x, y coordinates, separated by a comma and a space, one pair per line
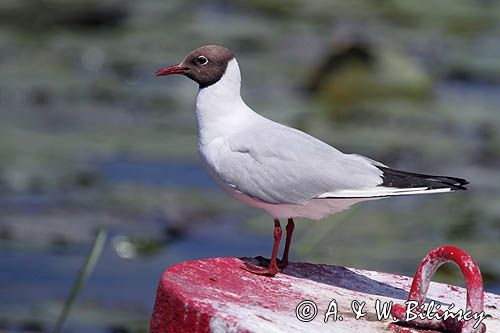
398, 178
462, 184
454, 182
460, 187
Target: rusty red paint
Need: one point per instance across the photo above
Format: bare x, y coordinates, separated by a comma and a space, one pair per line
420, 286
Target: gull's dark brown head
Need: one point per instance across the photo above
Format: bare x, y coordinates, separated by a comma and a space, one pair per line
205, 65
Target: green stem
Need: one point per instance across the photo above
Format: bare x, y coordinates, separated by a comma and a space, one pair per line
85, 272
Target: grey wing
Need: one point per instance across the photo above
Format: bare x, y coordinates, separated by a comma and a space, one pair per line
278, 164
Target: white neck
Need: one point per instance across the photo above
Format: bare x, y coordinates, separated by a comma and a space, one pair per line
220, 111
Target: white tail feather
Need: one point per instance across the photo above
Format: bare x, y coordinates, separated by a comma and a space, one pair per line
381, 192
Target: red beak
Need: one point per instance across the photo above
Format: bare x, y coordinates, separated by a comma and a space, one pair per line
176, 69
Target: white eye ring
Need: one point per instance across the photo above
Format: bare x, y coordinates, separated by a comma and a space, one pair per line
202, 60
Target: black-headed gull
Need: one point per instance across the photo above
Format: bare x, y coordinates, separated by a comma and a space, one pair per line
282, 170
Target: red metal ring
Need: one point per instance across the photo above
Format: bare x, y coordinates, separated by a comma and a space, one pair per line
420, 286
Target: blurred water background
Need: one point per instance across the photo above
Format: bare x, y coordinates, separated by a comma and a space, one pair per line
89, 139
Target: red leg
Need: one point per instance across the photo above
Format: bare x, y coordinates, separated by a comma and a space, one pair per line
273, 265
289, 232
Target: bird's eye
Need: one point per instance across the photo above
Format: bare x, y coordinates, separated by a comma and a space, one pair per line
202, 60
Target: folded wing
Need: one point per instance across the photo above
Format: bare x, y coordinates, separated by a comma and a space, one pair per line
278, 164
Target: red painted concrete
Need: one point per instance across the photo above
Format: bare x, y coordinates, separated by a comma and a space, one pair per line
216, 295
